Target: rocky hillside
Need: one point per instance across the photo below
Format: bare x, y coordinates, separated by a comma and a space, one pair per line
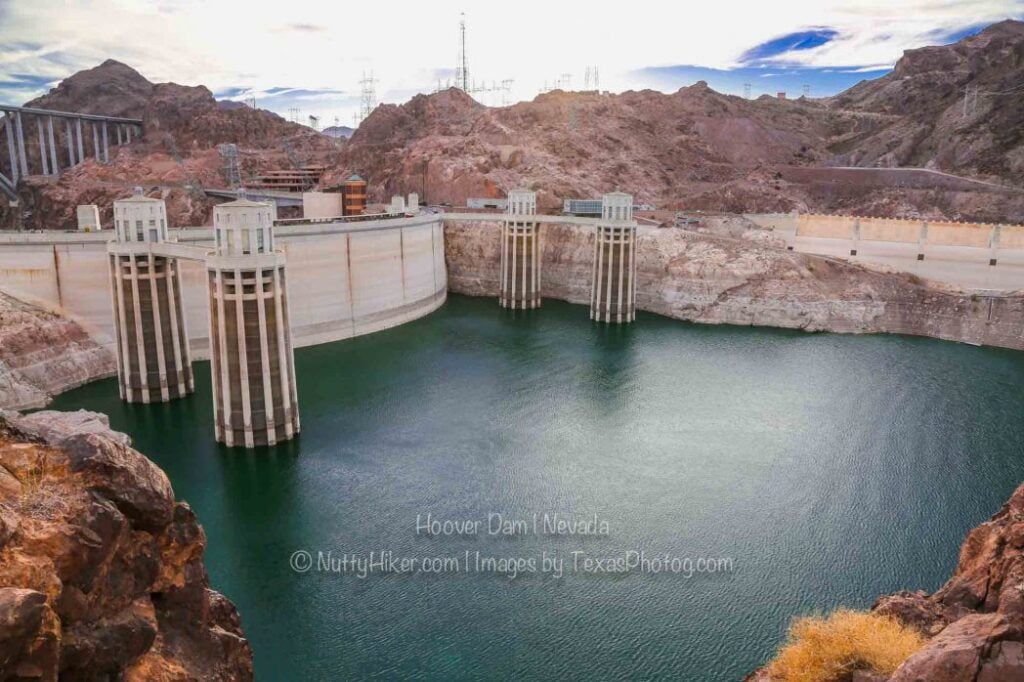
975, 622
694, 148
43, 353
101, 570
697, 148
177, 155
985, 139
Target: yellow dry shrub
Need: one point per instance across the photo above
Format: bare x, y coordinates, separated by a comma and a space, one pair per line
830, 649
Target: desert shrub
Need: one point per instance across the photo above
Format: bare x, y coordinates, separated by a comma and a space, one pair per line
829, 649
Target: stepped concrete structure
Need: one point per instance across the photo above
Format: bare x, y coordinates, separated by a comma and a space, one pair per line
253, 366
153, 359
520, 253
613, 296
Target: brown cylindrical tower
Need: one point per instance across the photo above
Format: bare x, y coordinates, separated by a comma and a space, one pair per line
252, 363
153, 359
353, 196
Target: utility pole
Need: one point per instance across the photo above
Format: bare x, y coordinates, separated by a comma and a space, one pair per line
462, 66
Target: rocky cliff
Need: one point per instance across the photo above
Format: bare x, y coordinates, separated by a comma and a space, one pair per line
747, 280
700, 149
178, 153
101, 570
43, 353
975, 622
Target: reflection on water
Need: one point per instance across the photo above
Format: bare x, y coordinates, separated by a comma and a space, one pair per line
831, 469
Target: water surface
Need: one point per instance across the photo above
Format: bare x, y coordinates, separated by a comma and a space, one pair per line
831, 469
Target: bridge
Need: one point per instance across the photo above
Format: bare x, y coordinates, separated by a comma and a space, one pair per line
25, 155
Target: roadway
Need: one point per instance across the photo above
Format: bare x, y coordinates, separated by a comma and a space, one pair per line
963, 267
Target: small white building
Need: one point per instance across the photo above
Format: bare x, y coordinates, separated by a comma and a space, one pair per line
89, 218
486, 202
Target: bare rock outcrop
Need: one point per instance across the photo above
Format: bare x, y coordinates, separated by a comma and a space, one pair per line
43, 353
719, 279
102, 570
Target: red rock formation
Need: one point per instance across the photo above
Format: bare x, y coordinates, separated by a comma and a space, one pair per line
695, 148
102, 571
699, 149
176, 157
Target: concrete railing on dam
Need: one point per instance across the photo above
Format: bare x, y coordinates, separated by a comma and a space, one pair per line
345, 279
902, 230
961, 254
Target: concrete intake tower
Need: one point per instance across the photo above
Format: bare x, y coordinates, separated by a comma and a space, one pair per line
252, 363
613, 296
153, 360
520, 252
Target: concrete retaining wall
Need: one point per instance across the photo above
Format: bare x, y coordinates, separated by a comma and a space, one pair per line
906, 231
345, 279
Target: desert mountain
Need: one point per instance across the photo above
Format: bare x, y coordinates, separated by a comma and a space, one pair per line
177, 156
692, 149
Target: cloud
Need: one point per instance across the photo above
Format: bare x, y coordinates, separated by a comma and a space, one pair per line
821, 82
781, 46
304, 28
322, 48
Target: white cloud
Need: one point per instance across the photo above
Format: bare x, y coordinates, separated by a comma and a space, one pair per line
327, 45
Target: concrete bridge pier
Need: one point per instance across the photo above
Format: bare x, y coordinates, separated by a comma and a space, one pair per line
254, 391
613, 294
153, 360
520, 252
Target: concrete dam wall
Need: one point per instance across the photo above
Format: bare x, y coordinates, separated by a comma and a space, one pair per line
345, 279
718, 280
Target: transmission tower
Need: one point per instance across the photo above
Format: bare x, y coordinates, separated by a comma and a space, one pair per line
506, 92
293, 114
746, 91
314, 123
462, 64
565, 82
250, 102
368, 95
807, 90
229, 155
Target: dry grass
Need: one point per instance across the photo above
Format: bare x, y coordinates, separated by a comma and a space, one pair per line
830, 649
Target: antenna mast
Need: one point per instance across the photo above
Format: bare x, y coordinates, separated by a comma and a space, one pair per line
461, 68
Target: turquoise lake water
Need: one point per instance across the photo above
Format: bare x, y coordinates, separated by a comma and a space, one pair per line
827, 469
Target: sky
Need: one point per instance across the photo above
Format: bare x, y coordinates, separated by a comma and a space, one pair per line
312, 56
